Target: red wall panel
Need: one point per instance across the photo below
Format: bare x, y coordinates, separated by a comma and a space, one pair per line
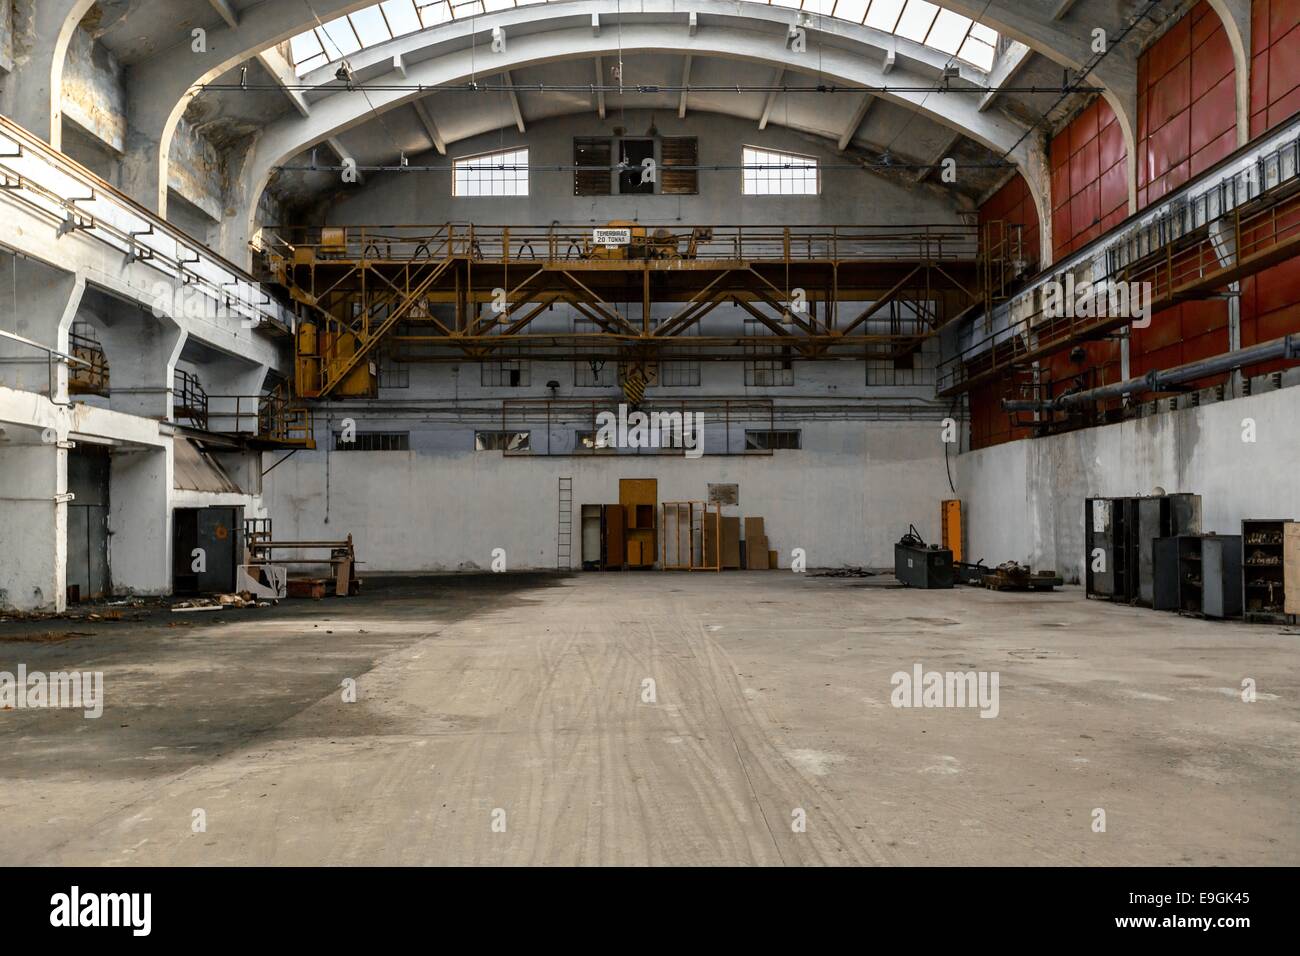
1270, 300
1013, 204
1187, 107
1186, 123
1275, 63
1089, 194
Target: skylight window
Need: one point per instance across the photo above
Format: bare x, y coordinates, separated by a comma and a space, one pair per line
919, 20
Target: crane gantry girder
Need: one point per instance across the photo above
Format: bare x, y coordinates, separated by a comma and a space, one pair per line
473, 292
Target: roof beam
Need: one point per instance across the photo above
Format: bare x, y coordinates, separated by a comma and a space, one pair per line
226, 11
514, 102
278, 67
771, 98
600, 81
859, 115
1005, 70
686, 80
1062, 9
924, 172
891, 57
430, 127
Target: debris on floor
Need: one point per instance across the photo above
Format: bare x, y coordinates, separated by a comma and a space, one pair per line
1014, 576
89, 612
243, 599
845, 573
47, 637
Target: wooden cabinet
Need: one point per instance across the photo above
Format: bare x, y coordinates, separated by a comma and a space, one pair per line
639, 498
614, 536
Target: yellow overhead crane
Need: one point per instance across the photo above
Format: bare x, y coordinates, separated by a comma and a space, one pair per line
355, 284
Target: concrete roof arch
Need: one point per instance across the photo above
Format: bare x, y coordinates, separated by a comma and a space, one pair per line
160, 87
336, 113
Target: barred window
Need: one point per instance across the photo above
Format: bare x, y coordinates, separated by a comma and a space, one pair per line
588, 440
508, 374
772, 439
501, 441
374, 441
392, 373
902, 362
680, 373
769, 365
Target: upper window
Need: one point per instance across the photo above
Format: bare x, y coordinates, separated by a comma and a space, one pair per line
918, 20
503, 173
769, 173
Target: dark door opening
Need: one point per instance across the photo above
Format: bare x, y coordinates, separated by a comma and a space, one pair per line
632, 152
216, 533
87, 568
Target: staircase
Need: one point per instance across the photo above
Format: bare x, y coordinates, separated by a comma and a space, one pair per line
398, 305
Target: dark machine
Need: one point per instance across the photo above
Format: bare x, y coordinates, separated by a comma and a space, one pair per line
919, 565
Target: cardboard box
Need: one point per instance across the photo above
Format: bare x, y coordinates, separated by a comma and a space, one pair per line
731, 542
772, 562
754, 529
756, 553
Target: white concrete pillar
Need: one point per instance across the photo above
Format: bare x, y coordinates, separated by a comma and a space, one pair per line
140, 519
33, 518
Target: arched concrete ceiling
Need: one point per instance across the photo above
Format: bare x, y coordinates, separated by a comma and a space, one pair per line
164, 70
152, 38
462, 58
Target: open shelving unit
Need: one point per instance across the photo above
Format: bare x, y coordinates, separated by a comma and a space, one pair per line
1264, 568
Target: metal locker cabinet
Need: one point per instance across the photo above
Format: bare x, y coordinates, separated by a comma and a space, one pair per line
1153, 523
1221, 570
1098, 535
1164, 593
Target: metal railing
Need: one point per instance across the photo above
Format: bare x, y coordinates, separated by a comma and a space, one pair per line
272, 418
75, 199
91, 378
1203, 237
574, 243
189, 400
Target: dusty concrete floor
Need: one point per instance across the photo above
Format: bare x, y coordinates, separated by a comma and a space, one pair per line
524, 694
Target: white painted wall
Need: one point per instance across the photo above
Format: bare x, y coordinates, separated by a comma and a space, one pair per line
844, 498
848, 195
1024, 500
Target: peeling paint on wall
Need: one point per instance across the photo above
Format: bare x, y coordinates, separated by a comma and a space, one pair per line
6, 36
94, 96
197, 170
